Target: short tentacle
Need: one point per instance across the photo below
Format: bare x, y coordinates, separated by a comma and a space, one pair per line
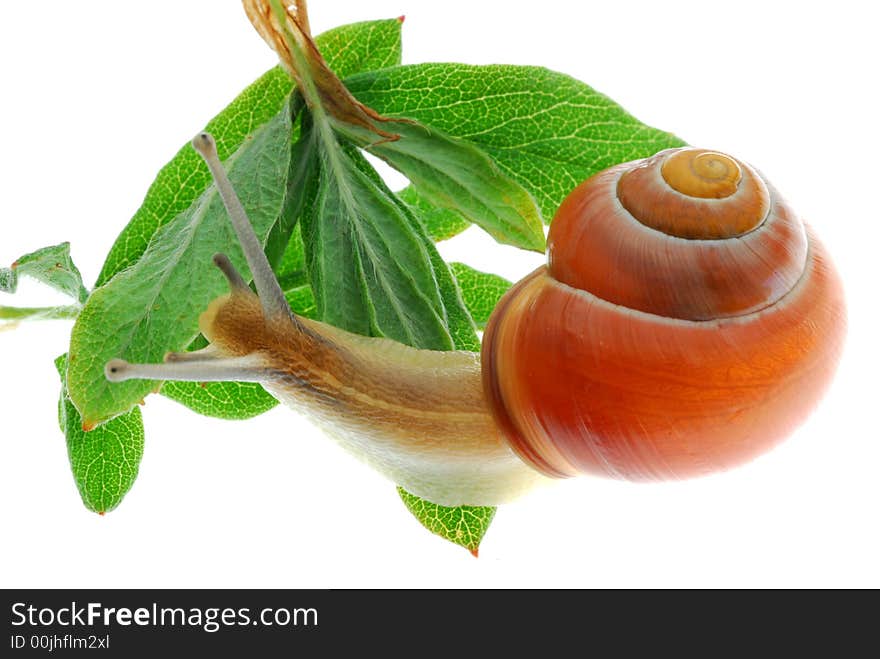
236, 281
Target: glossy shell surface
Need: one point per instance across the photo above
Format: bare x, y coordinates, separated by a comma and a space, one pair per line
641, 355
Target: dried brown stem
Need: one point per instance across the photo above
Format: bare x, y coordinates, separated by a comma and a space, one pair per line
289, 35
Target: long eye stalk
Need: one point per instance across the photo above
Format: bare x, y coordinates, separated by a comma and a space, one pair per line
205, 365
271, 296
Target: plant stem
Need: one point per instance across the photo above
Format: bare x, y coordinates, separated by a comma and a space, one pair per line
301, 64
39, 313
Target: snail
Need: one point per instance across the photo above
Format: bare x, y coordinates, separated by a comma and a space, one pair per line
686, 321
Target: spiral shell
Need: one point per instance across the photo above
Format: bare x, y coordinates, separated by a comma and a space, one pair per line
686, 322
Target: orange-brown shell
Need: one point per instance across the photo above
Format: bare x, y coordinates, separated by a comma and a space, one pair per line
640, 355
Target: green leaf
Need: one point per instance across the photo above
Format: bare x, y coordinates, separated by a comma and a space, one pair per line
455, 175
153, 306
302, 301
104, 461
291, 272
458, 321
464, 525
348, 49
51, 266
288, 255
461, 325
440, 223
221, 400
370, 273
39, 313
480, 291
8, 280
366, 46
544, 129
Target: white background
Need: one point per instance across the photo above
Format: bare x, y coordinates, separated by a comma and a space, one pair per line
97, 96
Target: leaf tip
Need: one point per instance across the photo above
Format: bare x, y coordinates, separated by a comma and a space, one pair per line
100, 513
88, 425
475, 552
401, 19
537, 242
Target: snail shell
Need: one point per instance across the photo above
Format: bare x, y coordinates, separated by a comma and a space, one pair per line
687, 321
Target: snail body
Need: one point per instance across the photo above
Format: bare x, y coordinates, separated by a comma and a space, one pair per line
686, 322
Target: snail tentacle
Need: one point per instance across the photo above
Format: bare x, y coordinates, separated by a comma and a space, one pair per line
271, 296
190, 367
